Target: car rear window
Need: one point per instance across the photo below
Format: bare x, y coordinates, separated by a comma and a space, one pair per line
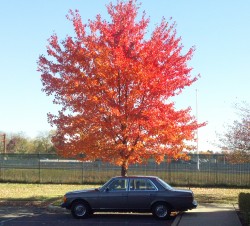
164, 184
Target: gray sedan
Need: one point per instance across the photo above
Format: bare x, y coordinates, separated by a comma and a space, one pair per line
130, 194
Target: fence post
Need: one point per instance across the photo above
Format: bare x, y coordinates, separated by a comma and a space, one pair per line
39, 168
0, 167
216, 168
82, 171
169, 169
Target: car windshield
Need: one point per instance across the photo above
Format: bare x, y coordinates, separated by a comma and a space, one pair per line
164, 184
102, 188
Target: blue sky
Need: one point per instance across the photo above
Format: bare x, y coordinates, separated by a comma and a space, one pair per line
220, 30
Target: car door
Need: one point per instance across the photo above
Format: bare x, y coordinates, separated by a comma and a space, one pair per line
115, 195
142, 192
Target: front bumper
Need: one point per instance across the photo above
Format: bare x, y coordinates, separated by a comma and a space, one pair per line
64, 205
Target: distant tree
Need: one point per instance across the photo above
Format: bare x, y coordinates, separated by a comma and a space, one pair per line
19, 143
115, 83
208, 152
236, 139
43, 143
238, 156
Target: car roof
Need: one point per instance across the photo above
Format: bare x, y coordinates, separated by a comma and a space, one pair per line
136, 176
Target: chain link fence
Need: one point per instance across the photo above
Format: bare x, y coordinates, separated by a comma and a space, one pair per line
212, 170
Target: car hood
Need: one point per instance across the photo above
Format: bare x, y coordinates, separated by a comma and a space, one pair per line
82, 191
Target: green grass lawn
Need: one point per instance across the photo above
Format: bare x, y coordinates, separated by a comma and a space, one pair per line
53, 193
218, 195
36, 193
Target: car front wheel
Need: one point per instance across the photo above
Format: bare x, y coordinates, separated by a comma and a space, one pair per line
80, 210
161, 211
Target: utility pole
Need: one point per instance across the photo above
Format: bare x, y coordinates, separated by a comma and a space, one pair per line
197, 134
4, 142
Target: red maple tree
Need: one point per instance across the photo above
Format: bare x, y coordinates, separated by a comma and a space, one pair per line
114, 83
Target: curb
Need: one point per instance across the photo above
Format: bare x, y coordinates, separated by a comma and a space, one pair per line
177, 219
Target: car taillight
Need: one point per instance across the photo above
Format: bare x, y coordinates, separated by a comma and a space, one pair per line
64, 199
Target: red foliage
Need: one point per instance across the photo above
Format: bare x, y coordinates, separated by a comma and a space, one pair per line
114, 84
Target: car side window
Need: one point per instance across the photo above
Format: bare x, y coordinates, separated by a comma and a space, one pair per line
141, 185
118, 185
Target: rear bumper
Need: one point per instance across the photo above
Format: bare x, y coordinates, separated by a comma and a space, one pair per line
194, 204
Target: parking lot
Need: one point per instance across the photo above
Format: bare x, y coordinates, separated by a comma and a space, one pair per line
33, 216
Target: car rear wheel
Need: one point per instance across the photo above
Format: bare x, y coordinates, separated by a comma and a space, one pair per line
161, 210
80, 210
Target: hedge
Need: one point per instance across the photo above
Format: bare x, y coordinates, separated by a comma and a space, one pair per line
244, 205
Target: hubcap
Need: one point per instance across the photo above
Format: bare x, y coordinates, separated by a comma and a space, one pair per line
161, 211
80, 210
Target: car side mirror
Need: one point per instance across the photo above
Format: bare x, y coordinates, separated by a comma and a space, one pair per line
107, 190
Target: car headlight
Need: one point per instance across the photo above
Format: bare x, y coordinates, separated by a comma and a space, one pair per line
64, 198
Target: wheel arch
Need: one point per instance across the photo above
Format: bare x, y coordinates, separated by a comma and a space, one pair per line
170, 206
80, 200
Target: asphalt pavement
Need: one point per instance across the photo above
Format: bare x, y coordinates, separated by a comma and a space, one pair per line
34, 216
203, 215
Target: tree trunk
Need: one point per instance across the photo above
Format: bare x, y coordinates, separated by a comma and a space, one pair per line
124, 168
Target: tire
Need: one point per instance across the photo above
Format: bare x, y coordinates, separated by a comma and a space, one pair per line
161, 210
80, 210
